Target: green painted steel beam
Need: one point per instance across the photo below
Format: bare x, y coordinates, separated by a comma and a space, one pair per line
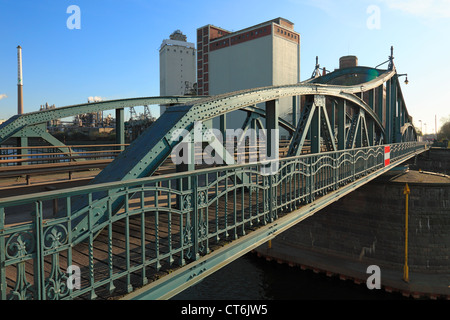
149, 150
120, 127
341, 123
387, 113
315, 124
19, 122
327, 131
299, 137
262, 113
376, 78
144, 156
393, 109
272, 148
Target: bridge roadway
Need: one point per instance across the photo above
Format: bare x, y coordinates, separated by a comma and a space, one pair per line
155, 246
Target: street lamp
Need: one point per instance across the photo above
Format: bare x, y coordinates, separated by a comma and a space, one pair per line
404, 74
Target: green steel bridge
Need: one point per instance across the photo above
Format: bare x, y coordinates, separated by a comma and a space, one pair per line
137, 232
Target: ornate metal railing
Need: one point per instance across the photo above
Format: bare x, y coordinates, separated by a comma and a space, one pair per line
164, 222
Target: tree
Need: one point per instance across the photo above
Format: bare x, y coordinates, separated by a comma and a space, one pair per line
444, 132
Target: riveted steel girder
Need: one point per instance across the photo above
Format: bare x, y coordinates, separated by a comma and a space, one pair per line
149, 150
408, 132
154, 146
19, 122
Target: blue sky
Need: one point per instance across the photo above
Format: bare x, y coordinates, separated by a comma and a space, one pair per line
115, 53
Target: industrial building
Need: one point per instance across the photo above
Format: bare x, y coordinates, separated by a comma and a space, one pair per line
176, 66
266, 54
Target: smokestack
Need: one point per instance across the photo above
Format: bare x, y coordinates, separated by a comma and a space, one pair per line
435, 126
19, 81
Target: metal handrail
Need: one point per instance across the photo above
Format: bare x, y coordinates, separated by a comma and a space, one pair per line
188, 213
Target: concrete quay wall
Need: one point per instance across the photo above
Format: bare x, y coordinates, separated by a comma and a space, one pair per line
434, 160
370, 223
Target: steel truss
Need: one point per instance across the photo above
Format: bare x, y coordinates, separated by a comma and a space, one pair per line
344, 125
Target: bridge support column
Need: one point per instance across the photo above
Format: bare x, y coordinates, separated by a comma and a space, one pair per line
388, 137
399, 121
294, 110
272, 152
273, 135
358, 133
370, 131
223, 127
333, 116
22, 142
184, 153
341, 106
120, 127
195, 219
223, 131
379, 102
393, 114
369, 121
319, 102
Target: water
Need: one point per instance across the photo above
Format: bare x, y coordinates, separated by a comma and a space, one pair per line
253, 278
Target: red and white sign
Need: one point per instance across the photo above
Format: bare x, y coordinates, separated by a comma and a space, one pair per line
387, 155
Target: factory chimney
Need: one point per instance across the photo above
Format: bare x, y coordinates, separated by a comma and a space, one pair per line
19, 81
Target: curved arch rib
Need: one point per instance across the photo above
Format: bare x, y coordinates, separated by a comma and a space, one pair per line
143, 157
17, 123
147, 152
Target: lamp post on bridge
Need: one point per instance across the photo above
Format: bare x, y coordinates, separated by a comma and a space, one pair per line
404, 74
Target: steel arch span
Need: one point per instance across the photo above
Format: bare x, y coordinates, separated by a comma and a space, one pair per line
128, 223
355, 124
345, 109
348, 108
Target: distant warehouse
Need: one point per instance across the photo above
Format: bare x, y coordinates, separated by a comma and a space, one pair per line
262, 55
